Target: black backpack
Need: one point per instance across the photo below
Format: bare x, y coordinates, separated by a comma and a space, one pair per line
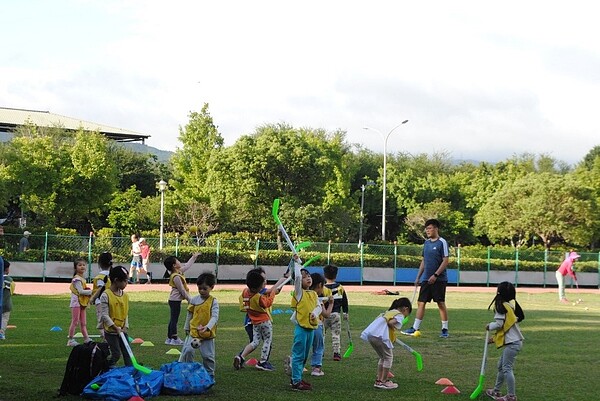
85, 362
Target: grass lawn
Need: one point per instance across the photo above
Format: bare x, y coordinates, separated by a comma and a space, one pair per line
558, 360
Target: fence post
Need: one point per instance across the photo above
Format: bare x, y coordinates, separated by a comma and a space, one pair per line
598, 269
516, 266
177, 245
545, 265
489, 266
362, 260
329, 252
45, 258
217, 258
458, 265
256, 253
395, 260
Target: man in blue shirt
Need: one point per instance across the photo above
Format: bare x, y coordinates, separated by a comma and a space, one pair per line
432, 277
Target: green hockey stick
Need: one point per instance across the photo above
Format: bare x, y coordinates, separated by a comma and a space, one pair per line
479, 388
275, 212
350, 343
134, 362
418, 357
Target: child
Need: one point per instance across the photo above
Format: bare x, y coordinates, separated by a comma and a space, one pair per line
247, 322
381, 334
8, 289
179, 292
136, 259
306, 319
80, 298
114, 303
99, 283
256, 302
566, 269
340, 304
326, 302
145, 254
201, 324
508, 335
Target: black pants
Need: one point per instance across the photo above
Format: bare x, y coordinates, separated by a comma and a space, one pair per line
175, 307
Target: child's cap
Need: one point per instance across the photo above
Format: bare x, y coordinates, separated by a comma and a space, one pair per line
142, 239
304, 271
574, 255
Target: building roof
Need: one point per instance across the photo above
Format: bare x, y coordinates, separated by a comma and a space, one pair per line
10, 119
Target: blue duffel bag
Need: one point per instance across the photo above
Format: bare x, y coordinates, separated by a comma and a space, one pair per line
184, 378
120, 384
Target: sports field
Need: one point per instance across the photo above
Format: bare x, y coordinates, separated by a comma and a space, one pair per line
558, 361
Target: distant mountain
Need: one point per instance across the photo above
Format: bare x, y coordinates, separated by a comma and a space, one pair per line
161, 155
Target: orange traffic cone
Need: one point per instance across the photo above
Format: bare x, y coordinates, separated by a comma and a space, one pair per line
450, 390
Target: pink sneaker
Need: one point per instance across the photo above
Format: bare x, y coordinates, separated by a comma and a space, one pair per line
490, 392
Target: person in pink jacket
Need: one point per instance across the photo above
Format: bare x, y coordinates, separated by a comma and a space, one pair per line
566, 268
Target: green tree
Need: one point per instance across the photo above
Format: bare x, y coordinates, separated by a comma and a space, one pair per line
124, 213
142, 170
301, 166
200, 141
554, 207
62, 178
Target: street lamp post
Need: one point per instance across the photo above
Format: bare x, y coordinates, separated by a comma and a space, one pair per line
362, 207
385, 139
162, 186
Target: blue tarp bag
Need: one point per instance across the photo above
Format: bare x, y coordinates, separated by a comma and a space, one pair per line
120, 384
184, 378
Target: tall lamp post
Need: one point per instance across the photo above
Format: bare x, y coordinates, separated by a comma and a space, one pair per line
162, 186
362, 208
385, 139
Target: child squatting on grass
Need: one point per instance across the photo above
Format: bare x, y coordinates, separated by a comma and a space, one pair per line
257, 302
507, 336
201, 324
80, 298
381, 334
114, 303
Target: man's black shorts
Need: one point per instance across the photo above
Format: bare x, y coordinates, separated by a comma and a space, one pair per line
435, 291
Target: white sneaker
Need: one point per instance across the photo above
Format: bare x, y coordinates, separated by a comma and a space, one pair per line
317, 372
169, 341
176, 341
72, 342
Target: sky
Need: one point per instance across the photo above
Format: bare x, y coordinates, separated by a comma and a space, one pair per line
477, 80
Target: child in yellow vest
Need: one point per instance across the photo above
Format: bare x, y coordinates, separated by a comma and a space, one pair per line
80, 298
99, 284
114, 303
381, 334
256, 302
201, 324
508, 336
306, 318
179, 292
326, 302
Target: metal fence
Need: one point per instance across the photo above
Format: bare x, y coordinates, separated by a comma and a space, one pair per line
50, 247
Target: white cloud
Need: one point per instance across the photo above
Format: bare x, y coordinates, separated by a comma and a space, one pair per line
480, 80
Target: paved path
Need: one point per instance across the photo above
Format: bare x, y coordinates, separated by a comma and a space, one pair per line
38, 288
